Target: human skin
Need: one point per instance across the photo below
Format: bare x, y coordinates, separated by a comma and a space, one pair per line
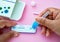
51, 22
6, 22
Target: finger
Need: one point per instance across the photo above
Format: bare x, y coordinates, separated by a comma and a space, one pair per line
50, 17
10, 23
58, 16
43, 12
43, 30
7, 36
45, 22
4, 18
2, 24
55, 13
47, 32
51, 10
6, 23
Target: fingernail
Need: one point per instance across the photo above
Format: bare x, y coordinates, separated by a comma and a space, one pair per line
16, 34
47, 33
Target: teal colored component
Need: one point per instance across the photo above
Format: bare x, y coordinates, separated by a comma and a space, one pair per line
35, 24
0, 8
2, 12
4, 7
8, 7
6, 11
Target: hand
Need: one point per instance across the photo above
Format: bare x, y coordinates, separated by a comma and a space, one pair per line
6, 22
52, 22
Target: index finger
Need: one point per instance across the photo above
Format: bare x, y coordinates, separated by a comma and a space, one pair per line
43, 12
4, 18
51, 10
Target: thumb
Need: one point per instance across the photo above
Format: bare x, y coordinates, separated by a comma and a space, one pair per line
44, 21
7, 36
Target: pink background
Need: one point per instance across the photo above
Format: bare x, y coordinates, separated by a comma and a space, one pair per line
28, 18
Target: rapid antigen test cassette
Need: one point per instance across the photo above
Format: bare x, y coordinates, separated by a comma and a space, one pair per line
24, 29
